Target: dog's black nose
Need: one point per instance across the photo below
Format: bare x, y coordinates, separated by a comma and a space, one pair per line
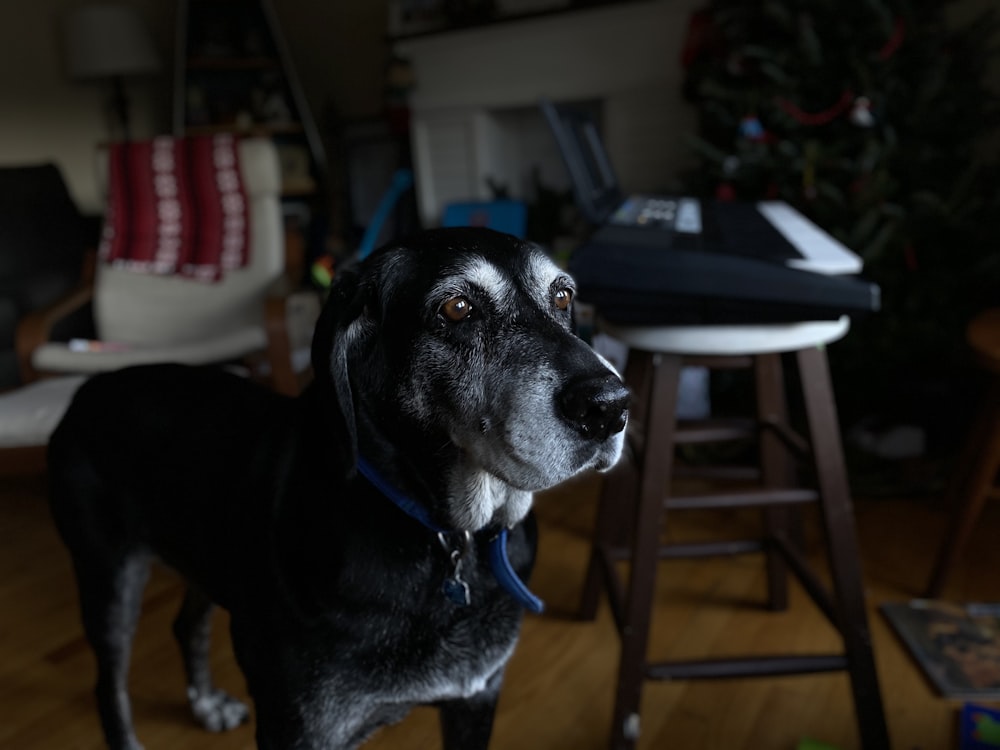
596, 406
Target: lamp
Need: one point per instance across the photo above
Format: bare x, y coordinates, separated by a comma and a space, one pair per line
109, 42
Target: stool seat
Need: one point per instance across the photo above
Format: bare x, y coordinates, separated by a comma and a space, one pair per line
639, 494
730, 340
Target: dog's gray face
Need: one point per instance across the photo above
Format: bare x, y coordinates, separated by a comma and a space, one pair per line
464, 341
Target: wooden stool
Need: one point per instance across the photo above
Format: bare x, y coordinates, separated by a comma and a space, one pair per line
632, 508
975, 474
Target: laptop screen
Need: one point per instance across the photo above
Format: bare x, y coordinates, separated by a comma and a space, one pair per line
595, 185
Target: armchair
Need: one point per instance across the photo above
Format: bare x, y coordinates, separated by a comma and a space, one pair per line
143, 313
43, 242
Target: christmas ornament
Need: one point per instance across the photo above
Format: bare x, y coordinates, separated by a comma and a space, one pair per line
725, 192
751, 129
861, 112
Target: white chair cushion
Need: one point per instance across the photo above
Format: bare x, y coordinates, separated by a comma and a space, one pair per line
61, 357
29, 414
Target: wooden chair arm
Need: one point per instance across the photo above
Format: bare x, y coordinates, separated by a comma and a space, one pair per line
279, 347
35, 328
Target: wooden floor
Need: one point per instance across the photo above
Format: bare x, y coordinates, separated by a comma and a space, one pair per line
558, 692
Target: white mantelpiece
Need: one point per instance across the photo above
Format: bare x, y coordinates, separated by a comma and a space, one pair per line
475, 104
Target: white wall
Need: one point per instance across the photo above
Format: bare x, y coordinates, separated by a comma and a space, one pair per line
44, 116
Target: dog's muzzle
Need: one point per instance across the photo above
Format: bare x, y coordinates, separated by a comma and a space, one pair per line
596, 407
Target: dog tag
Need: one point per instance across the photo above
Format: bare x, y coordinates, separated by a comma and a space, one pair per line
457, 591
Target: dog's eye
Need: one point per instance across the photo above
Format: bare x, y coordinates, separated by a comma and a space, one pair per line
456, 309
563, 298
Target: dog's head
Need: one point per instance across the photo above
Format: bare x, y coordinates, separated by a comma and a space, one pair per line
455, 350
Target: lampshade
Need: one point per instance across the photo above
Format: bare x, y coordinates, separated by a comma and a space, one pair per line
104, 41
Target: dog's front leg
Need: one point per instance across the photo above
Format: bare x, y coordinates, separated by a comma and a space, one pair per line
467, 723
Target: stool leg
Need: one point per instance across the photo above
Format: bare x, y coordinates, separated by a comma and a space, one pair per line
971, 489
611, 525
776, 470
656, 467
845, 562
610, 530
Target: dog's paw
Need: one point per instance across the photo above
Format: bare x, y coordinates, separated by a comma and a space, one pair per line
216, 710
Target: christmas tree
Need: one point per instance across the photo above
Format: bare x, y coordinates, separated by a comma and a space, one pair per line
871, 117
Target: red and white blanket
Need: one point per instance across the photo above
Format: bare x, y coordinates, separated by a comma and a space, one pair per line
176, 206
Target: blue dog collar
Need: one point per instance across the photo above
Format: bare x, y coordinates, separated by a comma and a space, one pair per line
503, 571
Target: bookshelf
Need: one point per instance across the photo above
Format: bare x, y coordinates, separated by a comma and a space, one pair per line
234, 74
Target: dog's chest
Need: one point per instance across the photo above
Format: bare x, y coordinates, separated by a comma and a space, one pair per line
479, 640
380, 685
349, 705
459, 669
426, 665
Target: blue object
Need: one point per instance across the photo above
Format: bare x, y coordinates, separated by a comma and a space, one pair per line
979, 727
508, 578
751, 128
402, 180
508, 216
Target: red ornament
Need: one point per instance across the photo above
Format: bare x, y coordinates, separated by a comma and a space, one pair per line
725, 192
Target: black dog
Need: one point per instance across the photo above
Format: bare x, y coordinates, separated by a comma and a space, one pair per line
358, 534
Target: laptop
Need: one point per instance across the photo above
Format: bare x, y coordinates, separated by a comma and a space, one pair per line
704, 261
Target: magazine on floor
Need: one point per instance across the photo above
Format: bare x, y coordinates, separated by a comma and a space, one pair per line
956, 645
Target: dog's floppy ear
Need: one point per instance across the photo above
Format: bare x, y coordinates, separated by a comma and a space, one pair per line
345, 304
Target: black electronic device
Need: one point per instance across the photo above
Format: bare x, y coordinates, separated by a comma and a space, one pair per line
662, 259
